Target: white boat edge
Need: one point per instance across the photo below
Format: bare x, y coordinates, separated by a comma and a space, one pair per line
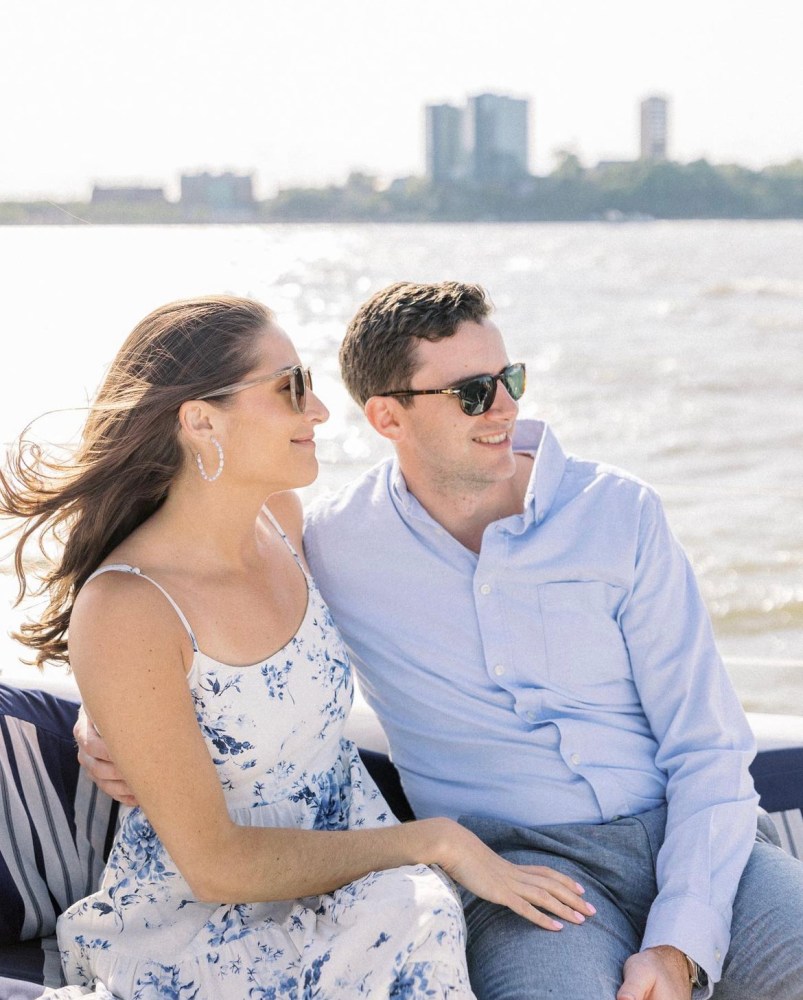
772, 731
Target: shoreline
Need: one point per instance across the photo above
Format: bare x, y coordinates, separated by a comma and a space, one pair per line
601, 220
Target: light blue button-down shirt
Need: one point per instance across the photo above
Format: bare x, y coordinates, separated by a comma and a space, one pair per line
566, 673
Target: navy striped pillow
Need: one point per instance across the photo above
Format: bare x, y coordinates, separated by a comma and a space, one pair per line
55, 826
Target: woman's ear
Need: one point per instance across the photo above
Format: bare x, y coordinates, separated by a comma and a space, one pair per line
196, 420
385, 415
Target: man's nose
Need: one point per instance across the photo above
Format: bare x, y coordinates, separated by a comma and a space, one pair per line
503, 402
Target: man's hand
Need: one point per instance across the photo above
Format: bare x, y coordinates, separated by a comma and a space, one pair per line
93, 756
660, 973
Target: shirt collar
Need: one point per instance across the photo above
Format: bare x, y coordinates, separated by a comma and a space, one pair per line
549, 463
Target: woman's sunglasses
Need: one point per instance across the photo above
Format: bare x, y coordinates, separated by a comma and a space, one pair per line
476, 394
300, 379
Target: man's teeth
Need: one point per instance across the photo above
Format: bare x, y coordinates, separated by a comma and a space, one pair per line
492, 439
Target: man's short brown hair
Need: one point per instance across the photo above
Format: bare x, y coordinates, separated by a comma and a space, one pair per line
378, 352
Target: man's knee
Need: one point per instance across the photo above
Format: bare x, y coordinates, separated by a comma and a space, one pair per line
512, 959
765, 958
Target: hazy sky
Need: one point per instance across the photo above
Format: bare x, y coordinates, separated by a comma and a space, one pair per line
302, 91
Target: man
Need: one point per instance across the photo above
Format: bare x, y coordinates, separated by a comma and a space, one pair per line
532, 638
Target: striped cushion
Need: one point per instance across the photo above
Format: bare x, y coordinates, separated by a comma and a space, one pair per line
789, 825
55, 826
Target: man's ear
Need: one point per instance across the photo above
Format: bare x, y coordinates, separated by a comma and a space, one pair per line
383, 415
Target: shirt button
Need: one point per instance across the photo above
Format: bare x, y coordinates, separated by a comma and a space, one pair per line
499, 669
485, 588
575, 758
717, 954
532, 716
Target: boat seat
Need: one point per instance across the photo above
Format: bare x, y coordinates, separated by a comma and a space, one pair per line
56, 828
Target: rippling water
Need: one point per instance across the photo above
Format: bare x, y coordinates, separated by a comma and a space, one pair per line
672, 349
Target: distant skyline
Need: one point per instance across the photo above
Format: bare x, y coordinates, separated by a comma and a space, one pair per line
118, 91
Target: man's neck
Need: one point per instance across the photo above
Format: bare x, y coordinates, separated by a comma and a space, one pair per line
465, 513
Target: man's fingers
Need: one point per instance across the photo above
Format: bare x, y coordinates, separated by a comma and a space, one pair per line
657, 973
119, 791
107, 778
93, 756
635, 987
88, 739
101, 770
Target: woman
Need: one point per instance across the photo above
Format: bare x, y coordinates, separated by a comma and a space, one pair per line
262, 860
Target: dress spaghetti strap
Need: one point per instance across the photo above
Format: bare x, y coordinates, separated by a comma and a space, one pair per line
269, 514
125, 568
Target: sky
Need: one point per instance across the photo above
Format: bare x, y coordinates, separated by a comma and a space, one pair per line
304, 91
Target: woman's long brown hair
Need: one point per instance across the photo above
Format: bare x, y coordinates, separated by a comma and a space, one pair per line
128, 455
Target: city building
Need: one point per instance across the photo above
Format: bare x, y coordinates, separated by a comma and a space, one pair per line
654, 116
217, 192
498, 137
445, 143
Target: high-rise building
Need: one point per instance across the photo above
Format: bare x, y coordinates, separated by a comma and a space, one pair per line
654, 128
445, 142
498, 137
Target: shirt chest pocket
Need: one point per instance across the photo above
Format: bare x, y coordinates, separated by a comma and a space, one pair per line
584, 645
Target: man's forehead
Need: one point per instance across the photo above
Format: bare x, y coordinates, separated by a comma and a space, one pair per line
473, 349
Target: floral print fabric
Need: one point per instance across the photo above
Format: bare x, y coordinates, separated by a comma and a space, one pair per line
274, 731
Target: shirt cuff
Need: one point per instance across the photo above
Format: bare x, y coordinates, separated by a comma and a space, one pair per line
694, 927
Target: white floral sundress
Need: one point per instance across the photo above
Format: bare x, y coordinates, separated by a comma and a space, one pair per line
275, 733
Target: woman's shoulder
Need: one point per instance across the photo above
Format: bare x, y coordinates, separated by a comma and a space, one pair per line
119, 606
286, 510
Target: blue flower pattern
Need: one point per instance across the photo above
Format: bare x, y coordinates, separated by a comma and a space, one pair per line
275, 733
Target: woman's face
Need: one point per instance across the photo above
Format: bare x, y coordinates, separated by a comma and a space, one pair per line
264, 439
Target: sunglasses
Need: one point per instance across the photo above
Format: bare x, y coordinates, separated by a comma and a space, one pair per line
476, 394
300, 379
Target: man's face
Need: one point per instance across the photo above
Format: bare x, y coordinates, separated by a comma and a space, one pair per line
440, 444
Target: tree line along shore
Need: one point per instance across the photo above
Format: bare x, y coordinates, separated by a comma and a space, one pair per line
572, 192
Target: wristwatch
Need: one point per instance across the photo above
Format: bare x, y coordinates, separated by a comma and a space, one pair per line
697, 975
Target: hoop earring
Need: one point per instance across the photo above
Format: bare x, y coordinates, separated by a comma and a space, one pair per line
200, 461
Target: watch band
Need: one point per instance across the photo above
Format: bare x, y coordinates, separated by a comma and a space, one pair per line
697, 976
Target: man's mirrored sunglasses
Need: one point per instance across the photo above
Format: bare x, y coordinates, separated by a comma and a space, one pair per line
476, 394
300, 379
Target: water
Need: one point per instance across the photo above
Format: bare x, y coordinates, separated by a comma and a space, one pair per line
673, 349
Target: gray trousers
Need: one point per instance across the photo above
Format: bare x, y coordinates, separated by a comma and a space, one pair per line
511, 959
